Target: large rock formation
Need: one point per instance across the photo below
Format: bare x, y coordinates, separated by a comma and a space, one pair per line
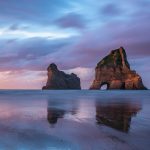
114, 71
60, 80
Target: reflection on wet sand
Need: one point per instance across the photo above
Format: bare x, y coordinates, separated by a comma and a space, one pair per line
54, 112
115, 115
111, 114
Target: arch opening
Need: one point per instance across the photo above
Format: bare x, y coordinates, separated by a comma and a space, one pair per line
104, 86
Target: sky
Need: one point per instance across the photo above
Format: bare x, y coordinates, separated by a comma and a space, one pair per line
73, 34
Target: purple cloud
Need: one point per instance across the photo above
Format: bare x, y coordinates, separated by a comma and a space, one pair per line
111, 10
71, 20
29, 53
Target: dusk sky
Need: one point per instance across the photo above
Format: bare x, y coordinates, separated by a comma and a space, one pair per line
74, 34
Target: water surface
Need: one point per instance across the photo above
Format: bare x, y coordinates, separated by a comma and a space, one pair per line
74, 120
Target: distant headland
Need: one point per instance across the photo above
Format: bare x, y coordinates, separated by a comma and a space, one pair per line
113, 70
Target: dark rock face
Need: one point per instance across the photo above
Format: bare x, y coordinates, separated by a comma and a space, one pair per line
114, 71
60, 80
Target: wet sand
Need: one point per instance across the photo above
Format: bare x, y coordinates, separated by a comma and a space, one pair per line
74, 120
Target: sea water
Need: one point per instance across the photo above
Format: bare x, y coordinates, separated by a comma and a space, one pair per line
74, 120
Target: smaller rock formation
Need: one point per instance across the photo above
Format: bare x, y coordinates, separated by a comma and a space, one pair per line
60, 80
114, 71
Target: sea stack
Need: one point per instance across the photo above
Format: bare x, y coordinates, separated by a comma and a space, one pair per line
59, 80
114, 71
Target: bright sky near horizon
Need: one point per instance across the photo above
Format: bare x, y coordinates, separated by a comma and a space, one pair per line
74, 34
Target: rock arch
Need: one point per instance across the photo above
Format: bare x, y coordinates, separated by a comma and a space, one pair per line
114, 70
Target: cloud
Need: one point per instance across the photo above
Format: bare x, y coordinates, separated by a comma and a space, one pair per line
14, 27
29, 53
23, 79
71, 20
35, 11
16, 32
111, 10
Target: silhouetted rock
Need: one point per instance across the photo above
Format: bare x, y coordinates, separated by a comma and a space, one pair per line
60, 80
114, 71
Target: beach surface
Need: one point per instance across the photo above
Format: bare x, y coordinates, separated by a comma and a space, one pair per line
74, 120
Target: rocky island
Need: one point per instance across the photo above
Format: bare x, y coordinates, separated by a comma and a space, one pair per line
114, 71
59, 80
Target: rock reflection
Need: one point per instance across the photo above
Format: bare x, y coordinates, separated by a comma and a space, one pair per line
115, 115
53, 115
58, 110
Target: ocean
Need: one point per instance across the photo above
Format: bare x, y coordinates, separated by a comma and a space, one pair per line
74, 120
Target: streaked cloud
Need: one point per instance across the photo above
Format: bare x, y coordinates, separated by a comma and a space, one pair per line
22, 79
16, 33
